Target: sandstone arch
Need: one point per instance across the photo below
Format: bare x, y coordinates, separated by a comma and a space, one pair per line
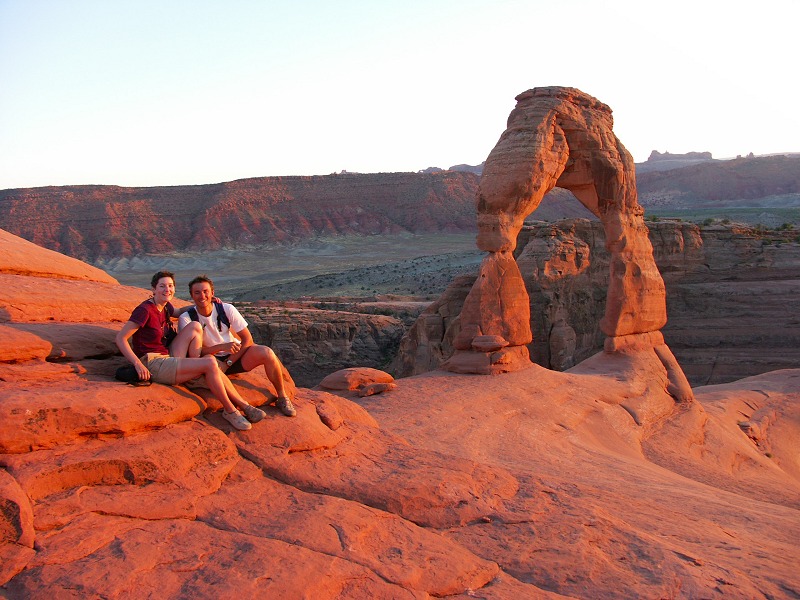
561, 137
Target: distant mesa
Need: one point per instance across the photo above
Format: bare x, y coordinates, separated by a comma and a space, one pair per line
476, 169
655, 155
666, 161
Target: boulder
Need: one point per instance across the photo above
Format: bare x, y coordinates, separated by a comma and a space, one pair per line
354, 378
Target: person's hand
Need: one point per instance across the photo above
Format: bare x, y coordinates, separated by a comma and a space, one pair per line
142, 372
233, 347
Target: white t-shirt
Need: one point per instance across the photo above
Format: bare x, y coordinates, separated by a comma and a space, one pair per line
211, 334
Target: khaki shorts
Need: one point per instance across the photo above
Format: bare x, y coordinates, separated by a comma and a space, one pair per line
163, 368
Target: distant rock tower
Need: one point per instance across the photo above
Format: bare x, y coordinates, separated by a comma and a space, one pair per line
560, 137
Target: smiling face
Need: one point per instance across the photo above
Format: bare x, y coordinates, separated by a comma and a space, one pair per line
202, 293
164, 291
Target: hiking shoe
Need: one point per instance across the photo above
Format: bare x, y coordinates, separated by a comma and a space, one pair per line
285, 405
253, 414
237, 420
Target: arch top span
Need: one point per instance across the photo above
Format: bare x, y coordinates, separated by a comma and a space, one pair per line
557, 136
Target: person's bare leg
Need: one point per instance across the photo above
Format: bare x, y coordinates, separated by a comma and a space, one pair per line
189, 368
264, 355
188, 342
232, 392
252, 413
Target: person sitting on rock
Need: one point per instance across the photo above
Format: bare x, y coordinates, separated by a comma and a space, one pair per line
143, 341
235, 353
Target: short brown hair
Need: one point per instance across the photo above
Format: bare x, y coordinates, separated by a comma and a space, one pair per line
201, 279
161, 275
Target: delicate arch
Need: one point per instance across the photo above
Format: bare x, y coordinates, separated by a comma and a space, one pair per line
558, 137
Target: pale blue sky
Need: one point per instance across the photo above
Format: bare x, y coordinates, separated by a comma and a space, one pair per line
168, 92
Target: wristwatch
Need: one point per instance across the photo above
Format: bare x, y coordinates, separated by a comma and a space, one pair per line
229, 362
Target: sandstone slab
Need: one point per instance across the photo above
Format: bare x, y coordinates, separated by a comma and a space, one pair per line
365, 464
73, 341
37, 415
151, 475
398, 551
36, 299
20, 346
18, 256
178, 558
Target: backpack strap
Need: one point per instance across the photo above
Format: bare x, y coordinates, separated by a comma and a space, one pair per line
222, 317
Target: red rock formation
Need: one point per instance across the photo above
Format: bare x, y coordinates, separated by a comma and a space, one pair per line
95, 474
560, 137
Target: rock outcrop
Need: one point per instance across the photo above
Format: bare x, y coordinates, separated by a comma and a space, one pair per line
730, 290
537, 484
560, 137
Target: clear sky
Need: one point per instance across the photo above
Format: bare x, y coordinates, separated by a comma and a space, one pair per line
169, 92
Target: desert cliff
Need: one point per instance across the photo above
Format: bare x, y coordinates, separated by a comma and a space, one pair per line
590, 483
91, 222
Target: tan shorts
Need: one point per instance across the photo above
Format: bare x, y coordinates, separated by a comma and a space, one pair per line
163, 368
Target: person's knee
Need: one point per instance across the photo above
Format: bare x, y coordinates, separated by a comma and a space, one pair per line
210, 363
268, 356
194, 327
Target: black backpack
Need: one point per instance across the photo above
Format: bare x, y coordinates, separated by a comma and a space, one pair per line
222, 318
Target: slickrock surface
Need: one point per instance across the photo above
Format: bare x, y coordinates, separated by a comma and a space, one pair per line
590, 483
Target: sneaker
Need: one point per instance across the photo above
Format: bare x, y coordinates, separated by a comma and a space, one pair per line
236, 419
253, 414
286, 407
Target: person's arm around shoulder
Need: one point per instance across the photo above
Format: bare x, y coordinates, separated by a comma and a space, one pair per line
122, 339
178, 312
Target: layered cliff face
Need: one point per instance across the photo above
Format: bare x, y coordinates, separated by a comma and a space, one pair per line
90, 222
313, 342
730, 297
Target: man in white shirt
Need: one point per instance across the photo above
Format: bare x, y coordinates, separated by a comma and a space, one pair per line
235, 353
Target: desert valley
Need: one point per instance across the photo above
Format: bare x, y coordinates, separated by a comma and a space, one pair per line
648, 448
